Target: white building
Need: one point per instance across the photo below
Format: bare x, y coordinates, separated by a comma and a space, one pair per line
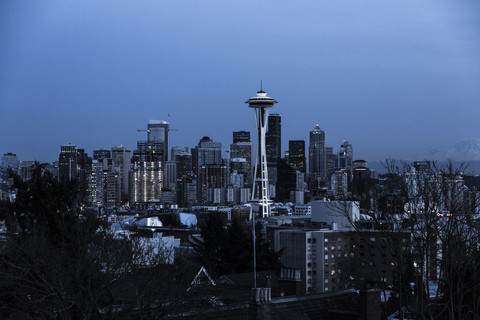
338, 215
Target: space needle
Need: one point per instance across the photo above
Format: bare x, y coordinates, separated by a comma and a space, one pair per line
260, 193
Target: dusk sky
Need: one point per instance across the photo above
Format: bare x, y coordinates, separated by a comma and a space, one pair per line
395, 78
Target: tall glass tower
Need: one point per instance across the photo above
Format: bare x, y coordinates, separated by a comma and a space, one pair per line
317, 164
158, 132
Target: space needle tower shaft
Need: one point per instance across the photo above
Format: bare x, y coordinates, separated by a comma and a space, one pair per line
260, 193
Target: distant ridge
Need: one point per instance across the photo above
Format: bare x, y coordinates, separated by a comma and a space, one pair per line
473, 166
463, 152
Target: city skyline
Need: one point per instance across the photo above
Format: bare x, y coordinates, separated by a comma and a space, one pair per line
396, 79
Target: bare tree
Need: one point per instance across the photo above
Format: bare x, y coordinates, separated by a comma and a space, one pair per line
429, 203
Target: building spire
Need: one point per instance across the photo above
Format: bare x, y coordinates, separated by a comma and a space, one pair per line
261, 88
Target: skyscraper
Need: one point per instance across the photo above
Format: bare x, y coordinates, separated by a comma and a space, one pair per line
241, 136
121, 158
96, 185
158, 131
296, 155
10, 161
206, 152
286, 181
241, 151
330, 162
67, 162
101, 154
148, 161
84, 167
345, 158
176, 151
317, 157
146, 175
273, 145
206, 161
184, 178
274, 137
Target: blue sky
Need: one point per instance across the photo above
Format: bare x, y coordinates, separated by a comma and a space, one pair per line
396, 78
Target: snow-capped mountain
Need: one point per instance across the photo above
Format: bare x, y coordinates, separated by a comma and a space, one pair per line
464, 150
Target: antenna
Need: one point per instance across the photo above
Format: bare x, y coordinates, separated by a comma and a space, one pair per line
261, 86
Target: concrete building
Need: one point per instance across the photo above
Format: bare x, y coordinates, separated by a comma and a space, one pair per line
329, 260
337, 215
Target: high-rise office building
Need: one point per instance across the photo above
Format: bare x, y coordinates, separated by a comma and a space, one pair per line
170, 181
146, 181
212, 181
177, 150
206, 152
68, 162
185, 178
148, 161
296, 155
274, 137
10, 161
101, 154
158, 131
330, 162
242, 167
25, 169
112, 186
242, 149
121, 159
345, 158
339, 183
273, 140
317, 161
95, 185
286, 181
205, 156
241, 136
84, 167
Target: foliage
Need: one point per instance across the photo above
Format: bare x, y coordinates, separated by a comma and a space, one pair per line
61, 262
225, 250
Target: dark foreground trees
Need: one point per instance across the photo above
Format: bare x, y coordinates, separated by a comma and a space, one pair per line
229, 249
436, 270
62, 263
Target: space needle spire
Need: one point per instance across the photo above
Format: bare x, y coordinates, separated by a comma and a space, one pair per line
260, 193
